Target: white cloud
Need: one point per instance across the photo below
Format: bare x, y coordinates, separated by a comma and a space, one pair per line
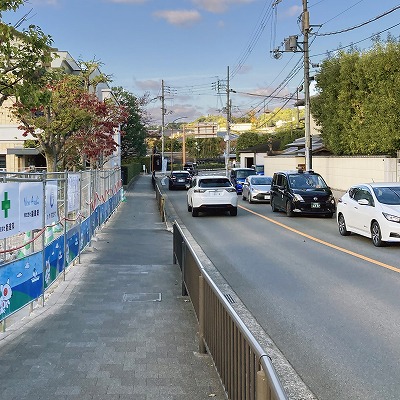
293, 11
218, 6
179, 17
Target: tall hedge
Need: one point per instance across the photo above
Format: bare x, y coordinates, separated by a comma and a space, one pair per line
358, 102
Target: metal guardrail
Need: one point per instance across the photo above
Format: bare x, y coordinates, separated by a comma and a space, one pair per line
245, 370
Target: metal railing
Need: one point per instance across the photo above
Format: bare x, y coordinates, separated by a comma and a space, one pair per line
245, 369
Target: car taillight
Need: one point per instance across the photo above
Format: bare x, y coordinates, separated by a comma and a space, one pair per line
199, 190
231, 189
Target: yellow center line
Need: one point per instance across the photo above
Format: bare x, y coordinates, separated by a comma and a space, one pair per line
352, 253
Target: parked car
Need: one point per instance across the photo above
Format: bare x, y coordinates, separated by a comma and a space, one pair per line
257, 188
300, 192
371, 210
179, 180
238, 175
211, 193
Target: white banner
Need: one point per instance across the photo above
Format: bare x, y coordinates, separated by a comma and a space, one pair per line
51, 205
9, 209
74, 192
30, 206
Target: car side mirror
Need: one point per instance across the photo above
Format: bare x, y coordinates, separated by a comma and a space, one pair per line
363, 202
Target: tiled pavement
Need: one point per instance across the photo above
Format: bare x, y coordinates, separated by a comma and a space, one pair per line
118, 327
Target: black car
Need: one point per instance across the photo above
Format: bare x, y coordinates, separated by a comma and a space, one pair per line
191, 167
179, 180
301, 192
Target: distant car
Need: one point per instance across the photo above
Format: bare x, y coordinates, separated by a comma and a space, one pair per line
256, 188
211, 193
371, 210
238, 175
259, 169
179, 180
191, 167
301, 192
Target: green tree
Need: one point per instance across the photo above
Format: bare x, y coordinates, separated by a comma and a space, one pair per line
23, 55
53, 113
134, 130
358, 106
250, 139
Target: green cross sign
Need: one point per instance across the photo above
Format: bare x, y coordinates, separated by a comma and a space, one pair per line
5, 204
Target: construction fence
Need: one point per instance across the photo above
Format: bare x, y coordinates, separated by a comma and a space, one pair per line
46, 221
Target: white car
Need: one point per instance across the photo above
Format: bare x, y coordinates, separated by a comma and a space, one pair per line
371, 210
257, 188
211, 193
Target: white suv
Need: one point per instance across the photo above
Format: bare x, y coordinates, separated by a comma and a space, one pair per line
211, 193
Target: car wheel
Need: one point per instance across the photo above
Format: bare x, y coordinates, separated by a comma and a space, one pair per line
342, 226
243, 196
195, 212
233, 212
376, 235
289, 211
274, 209
249, 199
189, 207
170, 186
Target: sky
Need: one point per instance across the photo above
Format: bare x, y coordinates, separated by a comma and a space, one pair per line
190, 45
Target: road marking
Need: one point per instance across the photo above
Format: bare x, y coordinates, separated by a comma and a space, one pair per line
343, 250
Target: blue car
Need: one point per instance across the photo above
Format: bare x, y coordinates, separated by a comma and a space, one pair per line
238, 176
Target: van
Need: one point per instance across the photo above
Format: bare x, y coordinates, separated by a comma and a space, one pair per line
238, 176
300, 192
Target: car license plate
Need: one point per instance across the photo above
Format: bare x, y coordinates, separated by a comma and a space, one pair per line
266, 197
315, 205
181, 180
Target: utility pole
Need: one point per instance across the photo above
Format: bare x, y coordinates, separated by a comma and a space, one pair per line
228, 126
162, 124
308, 138
292, 45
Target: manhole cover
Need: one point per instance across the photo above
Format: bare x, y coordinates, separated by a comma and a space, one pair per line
130, 297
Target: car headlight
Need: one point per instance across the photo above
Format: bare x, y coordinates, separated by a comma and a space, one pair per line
297, 197
231, 189
392, 218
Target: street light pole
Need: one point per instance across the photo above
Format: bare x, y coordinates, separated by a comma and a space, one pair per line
176, 119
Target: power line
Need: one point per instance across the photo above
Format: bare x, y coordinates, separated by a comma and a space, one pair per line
359, 25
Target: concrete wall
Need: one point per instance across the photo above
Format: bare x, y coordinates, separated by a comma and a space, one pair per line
341, 172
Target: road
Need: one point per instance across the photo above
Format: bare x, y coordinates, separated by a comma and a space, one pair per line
330, 303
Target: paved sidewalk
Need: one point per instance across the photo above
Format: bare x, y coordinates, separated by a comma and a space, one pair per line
118, 327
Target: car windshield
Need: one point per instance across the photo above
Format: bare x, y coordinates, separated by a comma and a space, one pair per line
244, 173
181, 175
388, 195
214, 182
307, 182
261, 181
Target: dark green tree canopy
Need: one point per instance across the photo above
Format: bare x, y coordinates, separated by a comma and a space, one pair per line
134, 131
358, 105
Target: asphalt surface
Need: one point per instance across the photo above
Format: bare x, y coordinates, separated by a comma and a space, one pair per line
117, 327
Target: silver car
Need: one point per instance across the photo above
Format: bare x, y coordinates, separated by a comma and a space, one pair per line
256, 188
